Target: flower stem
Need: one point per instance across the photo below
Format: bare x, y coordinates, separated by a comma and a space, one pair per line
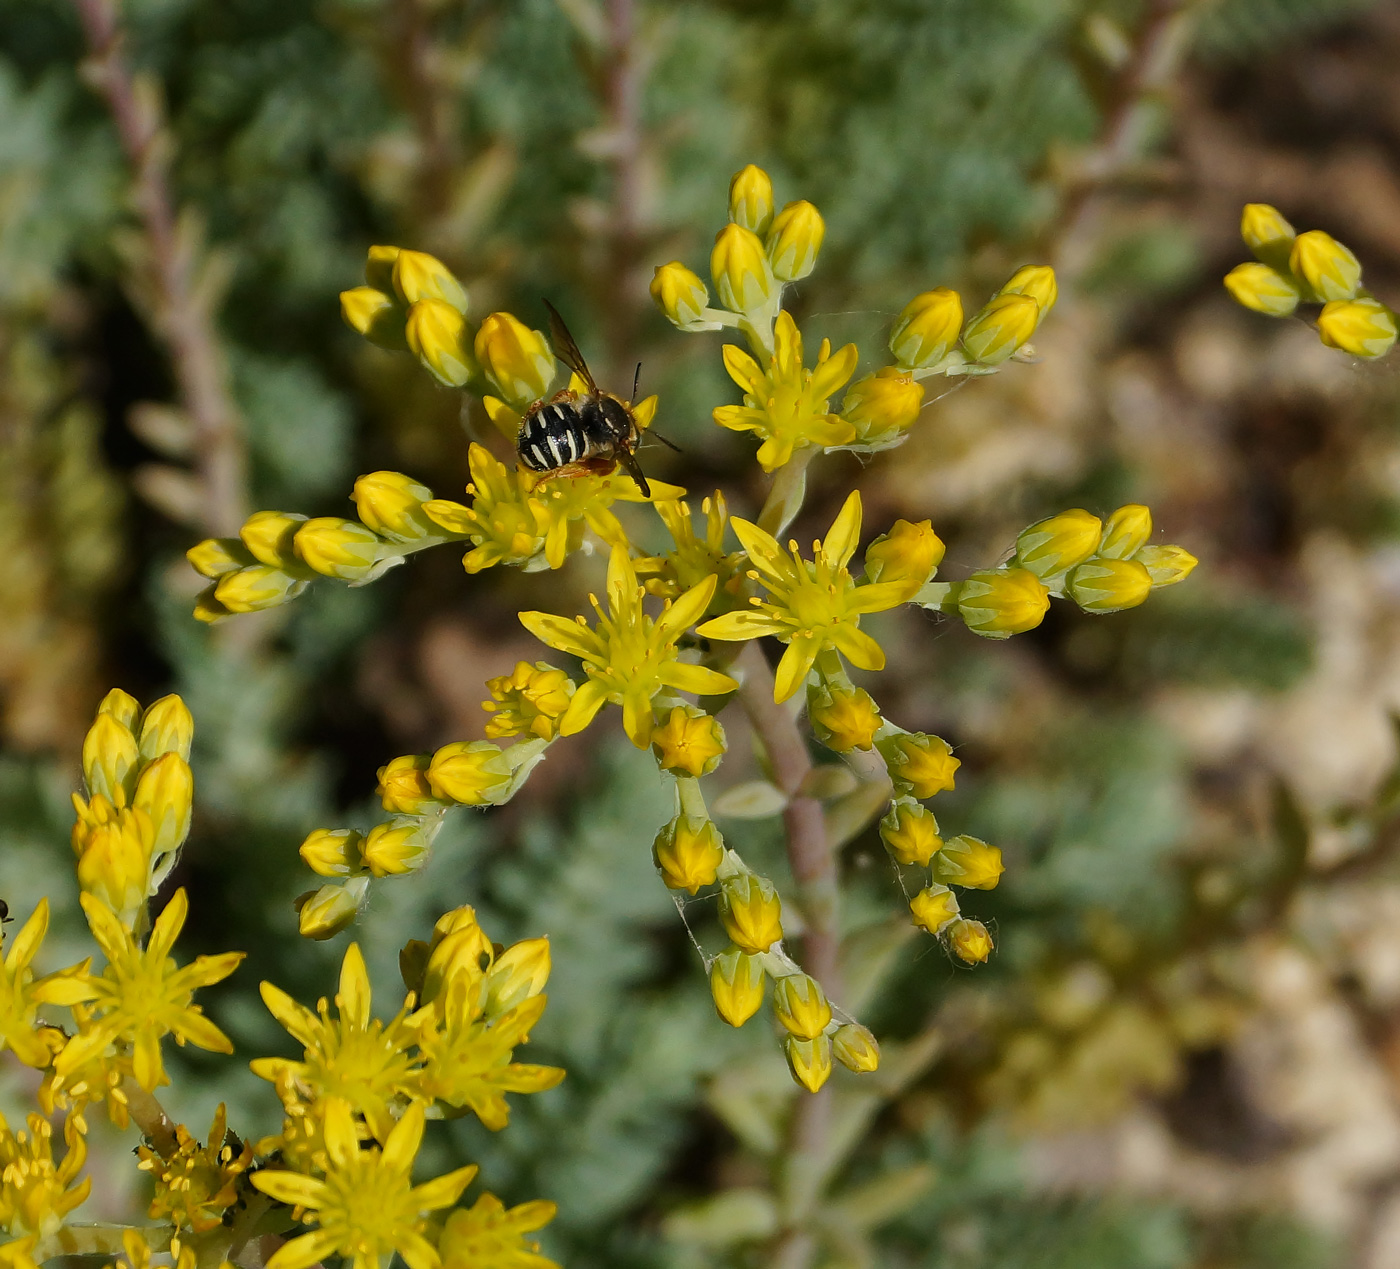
789, 489
155, 1125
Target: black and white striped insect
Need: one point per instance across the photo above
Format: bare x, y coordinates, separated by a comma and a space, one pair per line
573, 433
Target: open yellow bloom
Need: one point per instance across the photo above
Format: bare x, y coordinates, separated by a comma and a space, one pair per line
786, 404
505, 525
695, 557
367, 1206
35, 1193
197, 1184
21, 993
812, 604
488, 1235
629, 657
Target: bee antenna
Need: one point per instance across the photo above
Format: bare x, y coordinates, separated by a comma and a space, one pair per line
651, 431
636, 379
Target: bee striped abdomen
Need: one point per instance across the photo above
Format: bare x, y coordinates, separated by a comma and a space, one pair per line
552, 437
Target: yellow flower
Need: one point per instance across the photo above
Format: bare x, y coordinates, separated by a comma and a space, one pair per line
397, 847
751, 199
21, 993
417, 276
688, 853
392, 505
1166, 565
883, 406
1267, 234
366, 1207
1109, 585
197, 1184
969, 862
515, 359
143, 995
165, 793
333, 852
695, 557
115, 854
441, 338
570, 503
811, 605
934, 907
786, 405
908, 554
1054, 546
339, 548
740, 268
323, 913
910, 833
736, 985
365, 1063
751, 912
469, 772
689, 743
1326, 265
35, 1193
1363, 327
794, 240
927, 329
843, 718
505, 523
998, 603
166, 727
923, 763
531, 699
1125, 532
628, 656
855, 1048
682, 297
809, 1061
488, 1235
970, 940
1037, 281
801, 1005
1003, 325
404, 788
1263, 289
376, 316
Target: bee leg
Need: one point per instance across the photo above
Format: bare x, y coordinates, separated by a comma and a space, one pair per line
629, 462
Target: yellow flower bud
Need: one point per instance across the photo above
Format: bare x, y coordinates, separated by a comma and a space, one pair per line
268, 535
801, 1005
403, 786
165, 792
1055, 545
520, 972
324, 913
927, 329
933, 908
1126, 532
110, 760
843, 718
908, 555
256, 588
689, 743
1037, 281
441, 338
809, 1061
740, 269
687, 852
882, 406
681, 296
736, 985
459, 952
379, 267
971, 941
910, 833
392, 505
1166, 565
207, 607
116, 862
1003, 325
470, 772
1328, 267
968, 862
515, 359
1363, 328
998, 603
530, 700
376, 316
339, 548
1267, 234
751, 199
923, 763
216, 556
396, 847
332, 852
122, 706
1109, 585
751, 912
166, 727
1263, 289
794, 240
419, 276
855, 1048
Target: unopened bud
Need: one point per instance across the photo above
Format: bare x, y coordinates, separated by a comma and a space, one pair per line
926, 331
681, 296
751, 912
968, 862
397, 847
519, 973
736, 985
1328, 267
971, 941
469, 772
441, 338
1267, 234
324, 913
689, 743
166, 727
404, 788
751, 199
688, 853
110, 760
392, 505
376, 316
216, 556
907, 556
339, 548
165, 791
801, 1005
515, 359
742, 275
332, 852
1166, 565
910, 833
809, 1061
882, 406
419, 276
1054, 546
256, 588
1126, 532
379, 267
855, 1048
268, 535
923, 763
1109, 585
1003, 325
998, 603
1263, 289
794, 241
933, 908
1363, 328
843, 718
1037, 281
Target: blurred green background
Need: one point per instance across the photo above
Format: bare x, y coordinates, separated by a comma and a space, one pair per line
1187, 1049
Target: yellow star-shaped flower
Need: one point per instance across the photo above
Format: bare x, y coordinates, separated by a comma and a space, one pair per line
21, 993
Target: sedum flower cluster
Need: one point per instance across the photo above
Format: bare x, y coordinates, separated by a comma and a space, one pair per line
337, 1180
1291, 269
669, 641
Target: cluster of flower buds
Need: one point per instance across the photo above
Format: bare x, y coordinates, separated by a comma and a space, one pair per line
140, 792
1310, 268
1102, 565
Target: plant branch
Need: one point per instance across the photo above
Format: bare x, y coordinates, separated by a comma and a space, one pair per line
150, 1117
178, 296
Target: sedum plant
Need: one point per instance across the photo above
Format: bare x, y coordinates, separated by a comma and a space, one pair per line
673, 641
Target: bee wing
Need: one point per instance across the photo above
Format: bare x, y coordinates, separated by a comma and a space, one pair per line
565, 348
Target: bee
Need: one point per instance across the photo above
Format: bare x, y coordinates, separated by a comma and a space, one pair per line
573, 432
4, 912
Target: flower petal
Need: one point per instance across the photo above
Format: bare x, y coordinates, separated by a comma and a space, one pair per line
353, 998
298, 1021
796, 664
734, 627
844, 535
699, 679
303, 1251
622, 577
857, 647
762, 549
562, 634
109, 932
418, 1252
167, 927
830, 374
402, 1147
743, 369
31, 934
583, 707
637, 718
686, 610
444, 1190
740, 418
879, 596
145, 1059
196, 1029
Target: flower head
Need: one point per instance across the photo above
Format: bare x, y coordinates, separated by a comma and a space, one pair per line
695, 556
812, 604
488, 1235
530, 700
689, 743
21, 993
629, 656
35, 1192
786, 404
197, 1184
504, 523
